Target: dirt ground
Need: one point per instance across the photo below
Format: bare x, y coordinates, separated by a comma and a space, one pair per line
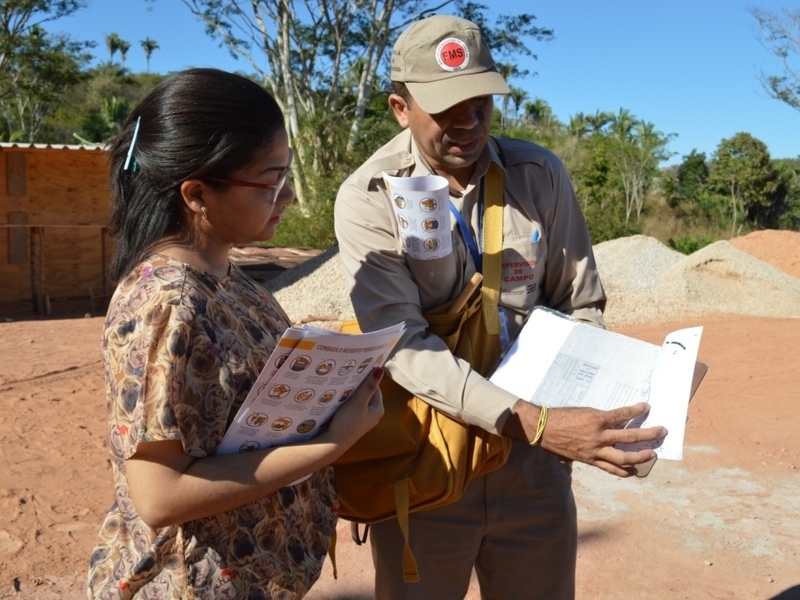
722, 524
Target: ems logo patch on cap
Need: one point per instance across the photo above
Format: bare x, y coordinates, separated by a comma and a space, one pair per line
452, 54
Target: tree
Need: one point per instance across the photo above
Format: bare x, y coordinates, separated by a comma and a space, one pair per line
780, 34
789, 177
149, 46
597, 122
113, 43
635, 149
689, 189
517, 96
743, 171
308, 53
35, 68
578, 126
537, 110
124, 46
21, 17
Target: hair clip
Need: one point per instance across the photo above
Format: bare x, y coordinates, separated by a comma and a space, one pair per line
133, 146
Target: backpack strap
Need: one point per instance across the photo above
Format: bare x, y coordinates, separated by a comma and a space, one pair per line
403, 489
332, 554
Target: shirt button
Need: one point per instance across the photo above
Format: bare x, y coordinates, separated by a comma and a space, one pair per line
431, 273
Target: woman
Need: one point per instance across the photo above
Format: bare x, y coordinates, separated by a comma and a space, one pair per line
201, 165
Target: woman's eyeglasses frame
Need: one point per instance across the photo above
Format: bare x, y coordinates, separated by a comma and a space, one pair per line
275, 187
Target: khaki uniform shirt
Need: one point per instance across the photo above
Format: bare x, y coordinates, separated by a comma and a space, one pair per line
547, 260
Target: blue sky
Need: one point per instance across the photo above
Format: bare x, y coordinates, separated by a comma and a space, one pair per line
690, 67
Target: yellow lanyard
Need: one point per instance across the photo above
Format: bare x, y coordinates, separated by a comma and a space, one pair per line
492, 247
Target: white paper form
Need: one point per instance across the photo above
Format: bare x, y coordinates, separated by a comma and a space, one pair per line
670, 392
308, 376
560, 362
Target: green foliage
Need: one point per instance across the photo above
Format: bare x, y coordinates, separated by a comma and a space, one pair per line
780, 34
313, 231
789, 177
608, 224
744, 173
691, 181
97, 108
339, 116
690, 243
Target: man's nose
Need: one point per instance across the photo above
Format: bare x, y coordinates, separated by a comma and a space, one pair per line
467, 115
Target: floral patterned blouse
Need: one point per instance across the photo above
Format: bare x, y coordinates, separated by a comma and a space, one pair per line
181, 350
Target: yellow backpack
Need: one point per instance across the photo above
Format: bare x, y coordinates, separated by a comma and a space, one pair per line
418, 458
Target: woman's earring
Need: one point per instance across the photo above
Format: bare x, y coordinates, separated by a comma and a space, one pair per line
205, 214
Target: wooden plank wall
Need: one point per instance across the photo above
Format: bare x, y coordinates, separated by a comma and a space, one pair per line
66, 191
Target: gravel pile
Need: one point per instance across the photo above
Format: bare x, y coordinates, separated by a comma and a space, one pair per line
646, 282
315, 291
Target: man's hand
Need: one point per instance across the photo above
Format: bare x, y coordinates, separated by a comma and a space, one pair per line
587, 435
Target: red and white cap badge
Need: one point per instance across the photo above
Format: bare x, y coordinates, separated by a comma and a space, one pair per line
452, 54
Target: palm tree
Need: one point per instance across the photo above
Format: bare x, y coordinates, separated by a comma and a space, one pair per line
149, 46
114, 111
597, 121
578, 125
123, 50
113, 44
538, 110
506, 70
518, 96
623, 124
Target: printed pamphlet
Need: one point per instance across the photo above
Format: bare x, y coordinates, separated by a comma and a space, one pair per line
309, 375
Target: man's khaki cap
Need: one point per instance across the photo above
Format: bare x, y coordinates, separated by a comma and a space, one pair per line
443, 60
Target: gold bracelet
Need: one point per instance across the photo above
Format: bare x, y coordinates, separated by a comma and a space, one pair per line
540, 426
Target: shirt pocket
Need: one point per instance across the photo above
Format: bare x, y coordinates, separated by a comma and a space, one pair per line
524, 259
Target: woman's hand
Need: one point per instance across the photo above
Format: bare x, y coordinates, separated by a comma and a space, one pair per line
168, 486
359, 414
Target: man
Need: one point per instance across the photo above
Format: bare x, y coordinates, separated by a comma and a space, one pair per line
516, 526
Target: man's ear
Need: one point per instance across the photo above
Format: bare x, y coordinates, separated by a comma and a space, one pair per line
193, 193
400, 108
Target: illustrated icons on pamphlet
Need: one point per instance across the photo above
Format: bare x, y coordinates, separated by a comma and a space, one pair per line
281, 424
279, 391
347, 367
325, 367
303, 383
399, 201
428, 204
306, 426
304, 396
327, 396
424, 218
300, 363
256, 419
430, 224
281, 359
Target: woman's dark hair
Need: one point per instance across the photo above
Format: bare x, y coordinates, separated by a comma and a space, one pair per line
196, 123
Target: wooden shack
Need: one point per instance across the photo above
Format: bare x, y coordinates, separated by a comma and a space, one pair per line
53, 212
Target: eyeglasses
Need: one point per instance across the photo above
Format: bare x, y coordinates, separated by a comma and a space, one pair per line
275, 188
